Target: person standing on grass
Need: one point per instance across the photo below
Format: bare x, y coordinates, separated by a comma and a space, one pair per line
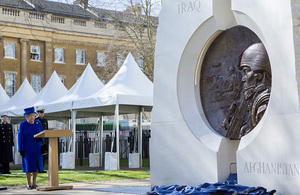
30, 147
6, 144
45, 143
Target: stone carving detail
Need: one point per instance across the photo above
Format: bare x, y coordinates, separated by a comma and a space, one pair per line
235, 96
245, 114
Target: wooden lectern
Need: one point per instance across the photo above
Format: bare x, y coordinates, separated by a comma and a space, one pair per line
53, 183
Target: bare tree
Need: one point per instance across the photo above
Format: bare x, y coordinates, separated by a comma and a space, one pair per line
139, 26
135, 26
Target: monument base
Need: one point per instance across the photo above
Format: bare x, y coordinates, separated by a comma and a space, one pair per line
50, 188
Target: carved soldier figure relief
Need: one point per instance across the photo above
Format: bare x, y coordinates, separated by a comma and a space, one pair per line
236, 85
256, 91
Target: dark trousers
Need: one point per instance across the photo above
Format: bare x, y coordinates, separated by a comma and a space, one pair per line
5, 168
44, 161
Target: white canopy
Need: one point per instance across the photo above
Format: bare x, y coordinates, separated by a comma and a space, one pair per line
24, 94
4, 98
129, 87
53, 90
127, 92
86, 85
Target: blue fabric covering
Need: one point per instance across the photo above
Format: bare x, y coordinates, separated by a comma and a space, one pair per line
230, 186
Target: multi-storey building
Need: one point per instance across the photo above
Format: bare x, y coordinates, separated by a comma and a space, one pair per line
38, 37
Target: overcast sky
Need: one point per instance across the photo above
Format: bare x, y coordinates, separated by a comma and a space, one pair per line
119, 5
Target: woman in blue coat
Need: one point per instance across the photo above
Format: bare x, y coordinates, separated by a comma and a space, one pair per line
29, 147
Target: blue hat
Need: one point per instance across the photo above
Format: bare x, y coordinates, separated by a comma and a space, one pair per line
28, 111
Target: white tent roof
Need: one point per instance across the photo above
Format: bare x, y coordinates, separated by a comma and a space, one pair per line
129, 87
53, 90
86, 85
24, 94
4, 98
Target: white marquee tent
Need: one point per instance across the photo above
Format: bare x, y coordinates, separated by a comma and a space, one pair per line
53, 90
24, 95
4, 98
129, 91
86, 85
129, 87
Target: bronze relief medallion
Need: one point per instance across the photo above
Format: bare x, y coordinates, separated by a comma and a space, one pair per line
235, 82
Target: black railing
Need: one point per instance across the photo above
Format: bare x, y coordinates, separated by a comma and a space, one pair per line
84, 146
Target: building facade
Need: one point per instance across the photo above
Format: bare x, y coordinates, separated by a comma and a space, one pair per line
38, 37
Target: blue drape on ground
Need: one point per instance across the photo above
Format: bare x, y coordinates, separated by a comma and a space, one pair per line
230, 186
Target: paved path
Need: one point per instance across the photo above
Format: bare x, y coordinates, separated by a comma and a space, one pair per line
116, 187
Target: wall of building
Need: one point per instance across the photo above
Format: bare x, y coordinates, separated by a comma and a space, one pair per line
21, 29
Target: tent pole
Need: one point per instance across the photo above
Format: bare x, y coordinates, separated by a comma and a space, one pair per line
100, 127
117, 136
67, 139
140, 134
73, 126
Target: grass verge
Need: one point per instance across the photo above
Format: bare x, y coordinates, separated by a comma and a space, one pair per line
70, 176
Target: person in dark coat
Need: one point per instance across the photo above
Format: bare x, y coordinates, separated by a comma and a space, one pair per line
45, 143
130, 140
30, 147
108, 143
6, 144
145, 144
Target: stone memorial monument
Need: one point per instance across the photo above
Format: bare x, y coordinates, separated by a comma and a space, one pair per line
227, 94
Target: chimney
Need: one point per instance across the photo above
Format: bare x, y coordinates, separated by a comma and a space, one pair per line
134, 8
83, 3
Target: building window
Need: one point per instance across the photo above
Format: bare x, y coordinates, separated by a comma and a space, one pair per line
62, 79
59, 55
119, 27
100, 25
9, 50
120, 59
56, 19
80, 57
101, 58
36, 16
35, 52
140, 61
10, 84
11, 12
36, 83
79, 22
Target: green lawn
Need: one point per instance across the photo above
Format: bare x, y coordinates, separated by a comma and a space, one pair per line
69, 176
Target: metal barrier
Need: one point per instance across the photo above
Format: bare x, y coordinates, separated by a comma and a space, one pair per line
85, 146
